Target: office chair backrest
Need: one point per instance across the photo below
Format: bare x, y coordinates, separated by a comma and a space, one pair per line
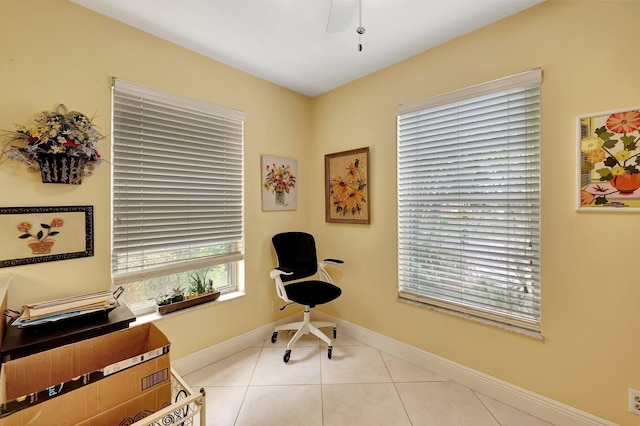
296, 251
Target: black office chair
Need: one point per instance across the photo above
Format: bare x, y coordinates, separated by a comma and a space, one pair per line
297, 260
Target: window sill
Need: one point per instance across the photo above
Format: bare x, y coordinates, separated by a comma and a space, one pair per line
503, 326
154, 316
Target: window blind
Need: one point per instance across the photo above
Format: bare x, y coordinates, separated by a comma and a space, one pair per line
469, 201
177, 183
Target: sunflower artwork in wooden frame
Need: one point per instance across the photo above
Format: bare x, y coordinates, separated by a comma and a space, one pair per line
347, 186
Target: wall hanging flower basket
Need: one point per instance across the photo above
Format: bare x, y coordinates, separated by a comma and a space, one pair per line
187, 303
62, 168
60, 144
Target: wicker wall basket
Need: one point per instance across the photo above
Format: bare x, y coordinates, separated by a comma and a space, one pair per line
62, 168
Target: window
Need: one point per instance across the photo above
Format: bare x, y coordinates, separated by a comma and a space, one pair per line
177, 193
469, 202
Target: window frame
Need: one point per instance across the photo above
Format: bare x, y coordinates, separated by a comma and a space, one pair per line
446, 303
234, 258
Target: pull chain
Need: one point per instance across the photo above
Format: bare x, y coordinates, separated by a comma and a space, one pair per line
360, 29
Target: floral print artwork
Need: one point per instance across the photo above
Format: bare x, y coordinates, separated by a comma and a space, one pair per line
40, 243
348, 192
32, 235
279, 179
348, 186
610, 160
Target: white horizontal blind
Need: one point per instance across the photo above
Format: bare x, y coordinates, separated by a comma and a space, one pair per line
469, 201
177, 183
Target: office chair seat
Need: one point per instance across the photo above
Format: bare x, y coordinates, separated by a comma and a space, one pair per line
312, 293
297, 260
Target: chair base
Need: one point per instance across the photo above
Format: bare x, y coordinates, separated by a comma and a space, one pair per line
306, 326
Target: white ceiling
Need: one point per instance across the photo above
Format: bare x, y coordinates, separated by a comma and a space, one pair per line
286, 41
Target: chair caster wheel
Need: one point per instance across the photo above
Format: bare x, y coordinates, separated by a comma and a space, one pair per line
287, 355
329, 351
274, 337
335, 332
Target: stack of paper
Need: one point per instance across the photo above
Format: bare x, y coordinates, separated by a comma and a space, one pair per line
68, 307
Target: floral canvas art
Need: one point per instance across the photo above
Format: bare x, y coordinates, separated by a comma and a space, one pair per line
347, 186
609, 149
279, 178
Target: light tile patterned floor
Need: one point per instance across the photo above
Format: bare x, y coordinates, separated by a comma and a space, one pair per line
360, 385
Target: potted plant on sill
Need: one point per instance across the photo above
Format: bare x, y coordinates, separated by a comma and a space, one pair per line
201, 290
200, 285
176, 295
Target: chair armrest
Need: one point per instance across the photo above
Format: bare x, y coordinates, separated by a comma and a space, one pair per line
280, 271
324, 276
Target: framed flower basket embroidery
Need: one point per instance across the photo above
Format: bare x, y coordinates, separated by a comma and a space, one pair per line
43, 234
279, 176
347, 186
609, 160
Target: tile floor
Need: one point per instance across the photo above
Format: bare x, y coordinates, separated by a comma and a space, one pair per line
360, 385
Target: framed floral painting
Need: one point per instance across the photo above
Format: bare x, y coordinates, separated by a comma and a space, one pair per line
43, 234
279, 176
347, 186
609, 160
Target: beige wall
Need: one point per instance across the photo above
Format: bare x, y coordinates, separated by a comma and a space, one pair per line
52, 51
590, 286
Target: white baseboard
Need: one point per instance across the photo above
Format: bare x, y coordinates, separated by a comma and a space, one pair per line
537, 405
195, 361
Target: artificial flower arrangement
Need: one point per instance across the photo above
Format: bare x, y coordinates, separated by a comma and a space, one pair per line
61, 144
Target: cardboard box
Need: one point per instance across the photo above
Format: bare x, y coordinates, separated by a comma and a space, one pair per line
83, 380
130, 411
